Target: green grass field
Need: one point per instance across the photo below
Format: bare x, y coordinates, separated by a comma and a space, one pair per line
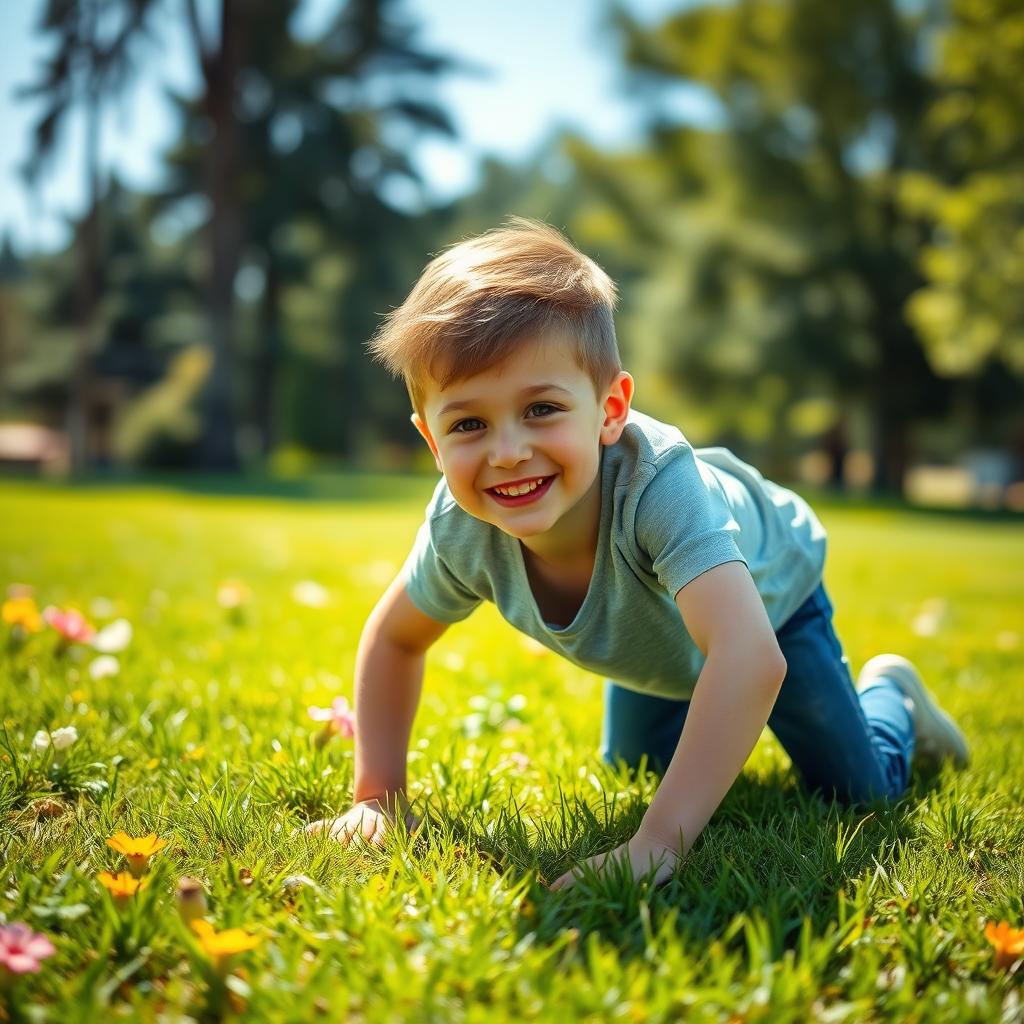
788, 909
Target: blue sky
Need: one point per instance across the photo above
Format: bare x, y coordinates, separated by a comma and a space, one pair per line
551, 63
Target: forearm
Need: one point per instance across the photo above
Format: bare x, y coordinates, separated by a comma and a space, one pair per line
733, 698
388, 682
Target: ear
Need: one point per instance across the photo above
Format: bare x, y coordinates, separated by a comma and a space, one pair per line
616, 407
418, 423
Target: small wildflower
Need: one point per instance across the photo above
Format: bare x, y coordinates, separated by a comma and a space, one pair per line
21, 613
232, 594
64, 737
1008, 942
104, 666
22, 950
122, 886
113, 638
59, 739
220, 945
310, 594
191, 899
194, 753
138, 851
72, 625
339, 719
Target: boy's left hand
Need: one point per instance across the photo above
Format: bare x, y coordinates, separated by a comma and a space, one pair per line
643, 853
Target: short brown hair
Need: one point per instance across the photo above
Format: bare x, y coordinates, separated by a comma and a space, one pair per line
477, 301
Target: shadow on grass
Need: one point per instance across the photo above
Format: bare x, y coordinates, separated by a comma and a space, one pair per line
773, 855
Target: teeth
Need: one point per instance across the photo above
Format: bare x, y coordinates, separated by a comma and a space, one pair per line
516, 490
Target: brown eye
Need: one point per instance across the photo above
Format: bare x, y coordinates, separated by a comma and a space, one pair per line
546, 406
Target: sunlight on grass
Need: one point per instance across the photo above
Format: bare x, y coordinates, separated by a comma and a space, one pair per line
227, 618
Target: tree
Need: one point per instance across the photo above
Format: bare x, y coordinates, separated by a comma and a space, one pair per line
787, 259
970, 311
94, 45
325, 127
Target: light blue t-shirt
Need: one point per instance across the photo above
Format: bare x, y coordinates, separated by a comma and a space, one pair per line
669, 512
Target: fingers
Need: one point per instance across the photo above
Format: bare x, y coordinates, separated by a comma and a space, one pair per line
568, 880
363, 824
358, 824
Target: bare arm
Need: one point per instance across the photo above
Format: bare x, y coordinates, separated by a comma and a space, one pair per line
731, 703
734, 696
388, 681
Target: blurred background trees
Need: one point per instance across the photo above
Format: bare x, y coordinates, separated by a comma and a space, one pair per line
833, 264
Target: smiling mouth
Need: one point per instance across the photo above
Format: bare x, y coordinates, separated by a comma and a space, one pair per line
528, 491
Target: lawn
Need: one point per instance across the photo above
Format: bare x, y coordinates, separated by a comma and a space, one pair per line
788, 909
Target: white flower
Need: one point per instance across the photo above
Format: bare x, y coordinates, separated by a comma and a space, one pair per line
63, 738
310, 593
103, 666
114, 637
41, 741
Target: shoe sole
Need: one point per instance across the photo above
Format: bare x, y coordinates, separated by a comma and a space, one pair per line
931, 719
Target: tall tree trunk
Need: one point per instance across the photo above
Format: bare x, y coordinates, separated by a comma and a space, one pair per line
79, 412
269, 357
220, 66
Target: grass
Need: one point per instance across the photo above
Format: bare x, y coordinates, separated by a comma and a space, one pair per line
788, 909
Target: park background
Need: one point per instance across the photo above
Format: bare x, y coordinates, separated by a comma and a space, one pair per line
813, 212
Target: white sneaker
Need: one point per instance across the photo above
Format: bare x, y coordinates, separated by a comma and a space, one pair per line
937, 735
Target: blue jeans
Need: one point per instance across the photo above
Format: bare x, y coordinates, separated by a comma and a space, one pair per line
857, 747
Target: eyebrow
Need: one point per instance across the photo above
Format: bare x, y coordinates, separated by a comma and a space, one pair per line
534, 389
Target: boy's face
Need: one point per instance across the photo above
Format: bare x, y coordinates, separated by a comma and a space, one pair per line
532, 421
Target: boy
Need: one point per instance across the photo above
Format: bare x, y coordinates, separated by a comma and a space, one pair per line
593, 527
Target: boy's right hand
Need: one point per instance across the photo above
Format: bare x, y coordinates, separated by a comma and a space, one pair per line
370, 820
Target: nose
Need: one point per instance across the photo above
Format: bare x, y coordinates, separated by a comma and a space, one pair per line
508, 448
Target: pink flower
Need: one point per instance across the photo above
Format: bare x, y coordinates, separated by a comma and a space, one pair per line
71, 624
340, 718
21, 949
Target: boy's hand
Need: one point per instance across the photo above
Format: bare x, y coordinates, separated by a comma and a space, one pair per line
369, 820
643, 853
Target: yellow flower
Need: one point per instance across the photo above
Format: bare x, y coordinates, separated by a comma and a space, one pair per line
1009, 942
22, 612
138, 851
121, 886
219, 945
232, 594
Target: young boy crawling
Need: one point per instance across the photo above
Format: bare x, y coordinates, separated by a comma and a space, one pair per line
681, 574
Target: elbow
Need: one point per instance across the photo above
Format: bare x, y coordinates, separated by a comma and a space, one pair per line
775, 668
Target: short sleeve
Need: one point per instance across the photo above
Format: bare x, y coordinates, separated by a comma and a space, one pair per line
431, 584
684, 523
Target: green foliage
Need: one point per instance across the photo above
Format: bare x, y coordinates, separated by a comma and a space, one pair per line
971, 312
833, 237
788, 908
162, 426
